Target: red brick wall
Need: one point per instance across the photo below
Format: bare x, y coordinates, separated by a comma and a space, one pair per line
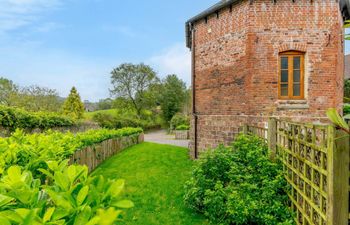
236, 64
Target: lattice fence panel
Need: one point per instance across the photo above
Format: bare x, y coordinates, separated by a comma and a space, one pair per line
303, 150
258, 131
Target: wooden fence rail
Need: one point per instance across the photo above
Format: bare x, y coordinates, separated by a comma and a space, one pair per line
315, 160
94, 155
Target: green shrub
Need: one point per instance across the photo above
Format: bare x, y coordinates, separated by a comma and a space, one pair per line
13, 118
116, 122
183, 127
179, 119
346, 109
239, 185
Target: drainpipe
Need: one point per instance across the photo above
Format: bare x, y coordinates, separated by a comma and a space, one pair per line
194, 112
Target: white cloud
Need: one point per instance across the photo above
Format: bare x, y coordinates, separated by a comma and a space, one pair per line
18, 13
173, 60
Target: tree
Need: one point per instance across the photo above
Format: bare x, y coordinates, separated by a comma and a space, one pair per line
73, 106
36, 98
132, 82
7, 90
172, 97
104, 104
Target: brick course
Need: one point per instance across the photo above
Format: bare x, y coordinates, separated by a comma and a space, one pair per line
236, 64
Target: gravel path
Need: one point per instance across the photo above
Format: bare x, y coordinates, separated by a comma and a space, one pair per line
161, 137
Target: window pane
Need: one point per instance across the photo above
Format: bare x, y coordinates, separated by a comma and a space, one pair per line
297, 62
284, 63
296, 90
284, 76
284, 89
296, 76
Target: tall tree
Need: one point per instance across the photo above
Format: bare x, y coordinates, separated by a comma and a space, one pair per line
36, 98
172, 97
132, 82
73, 106
7, 90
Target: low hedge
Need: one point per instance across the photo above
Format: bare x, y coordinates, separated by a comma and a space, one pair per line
116, 122
183, 127
239, 185
14, 118
31, 151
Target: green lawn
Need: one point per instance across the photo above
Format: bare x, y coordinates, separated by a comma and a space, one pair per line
89, 115
155, 175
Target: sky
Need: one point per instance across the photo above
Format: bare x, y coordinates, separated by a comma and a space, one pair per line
63, 43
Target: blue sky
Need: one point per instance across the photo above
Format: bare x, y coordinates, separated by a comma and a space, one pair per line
65, 43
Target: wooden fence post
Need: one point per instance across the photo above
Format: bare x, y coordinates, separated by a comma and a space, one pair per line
245, 129
338, 177
272, 136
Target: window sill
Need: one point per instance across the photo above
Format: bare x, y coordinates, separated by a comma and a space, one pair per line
292, 104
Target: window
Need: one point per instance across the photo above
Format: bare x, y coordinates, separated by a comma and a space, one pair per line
291, 75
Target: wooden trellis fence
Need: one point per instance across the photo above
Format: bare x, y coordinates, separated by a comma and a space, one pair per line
93, 156
315, 159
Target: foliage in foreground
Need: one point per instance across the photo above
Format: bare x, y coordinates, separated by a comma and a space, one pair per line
239, 185
13, 118
38, 187
71, 197
32, 151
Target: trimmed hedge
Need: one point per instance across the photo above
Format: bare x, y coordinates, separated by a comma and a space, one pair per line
116, 122
14, 118
32, 151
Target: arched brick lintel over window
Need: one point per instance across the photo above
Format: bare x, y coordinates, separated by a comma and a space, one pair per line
292, 47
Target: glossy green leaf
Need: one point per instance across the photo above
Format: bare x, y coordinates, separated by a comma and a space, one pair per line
116, 188
5, 200
335, 118
82, 195
124, 204
48, 214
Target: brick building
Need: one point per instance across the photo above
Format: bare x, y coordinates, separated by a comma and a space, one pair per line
260, 58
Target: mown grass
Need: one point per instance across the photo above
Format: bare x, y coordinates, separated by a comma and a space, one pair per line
155, 176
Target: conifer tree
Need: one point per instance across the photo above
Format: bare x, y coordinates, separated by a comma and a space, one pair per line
73, 106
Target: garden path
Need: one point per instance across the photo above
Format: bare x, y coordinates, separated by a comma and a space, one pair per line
161, 137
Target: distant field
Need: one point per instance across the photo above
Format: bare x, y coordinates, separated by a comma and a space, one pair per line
89, 115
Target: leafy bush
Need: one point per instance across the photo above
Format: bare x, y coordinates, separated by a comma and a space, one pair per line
183, 127
13, 118
116, 122
179, 119
239, 185
346, 109
71, 197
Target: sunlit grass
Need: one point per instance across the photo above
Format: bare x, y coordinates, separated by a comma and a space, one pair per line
155, 176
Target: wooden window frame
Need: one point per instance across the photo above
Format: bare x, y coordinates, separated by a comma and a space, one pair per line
291, 55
